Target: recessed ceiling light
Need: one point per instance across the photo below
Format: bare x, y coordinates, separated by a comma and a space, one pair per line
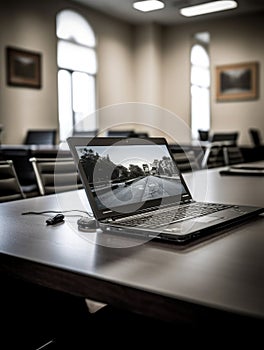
148, 5
208, 7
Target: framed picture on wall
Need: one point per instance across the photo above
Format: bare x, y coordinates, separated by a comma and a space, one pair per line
23, 68
237, 82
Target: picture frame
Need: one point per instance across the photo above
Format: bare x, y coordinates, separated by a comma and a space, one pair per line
237, 82
23, 68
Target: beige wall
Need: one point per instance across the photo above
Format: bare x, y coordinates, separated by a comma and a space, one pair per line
176, 75
239, 41
143, 76
28, 25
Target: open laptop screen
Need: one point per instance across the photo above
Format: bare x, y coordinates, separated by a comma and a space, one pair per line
129, 175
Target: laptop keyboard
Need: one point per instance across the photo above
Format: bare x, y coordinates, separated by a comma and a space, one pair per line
170, 215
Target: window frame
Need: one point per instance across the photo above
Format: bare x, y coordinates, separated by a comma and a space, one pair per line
71, 71
205, 46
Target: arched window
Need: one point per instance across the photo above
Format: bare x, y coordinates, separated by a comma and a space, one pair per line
200, 84
77, 68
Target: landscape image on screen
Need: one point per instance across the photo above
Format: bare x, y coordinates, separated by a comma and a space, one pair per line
119, 175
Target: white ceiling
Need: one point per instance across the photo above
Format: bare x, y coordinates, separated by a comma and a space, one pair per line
122, 9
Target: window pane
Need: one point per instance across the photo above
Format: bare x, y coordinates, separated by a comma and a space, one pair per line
65, 104
200, 109
200, 76
71, 26
84, 101
199, 56
76, 57
200, 89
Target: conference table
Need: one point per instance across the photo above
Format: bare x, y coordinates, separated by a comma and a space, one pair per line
218, 277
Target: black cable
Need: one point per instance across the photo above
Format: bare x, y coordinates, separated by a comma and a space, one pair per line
57, 212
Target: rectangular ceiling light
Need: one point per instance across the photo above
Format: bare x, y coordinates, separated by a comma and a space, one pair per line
148, 5
208, 7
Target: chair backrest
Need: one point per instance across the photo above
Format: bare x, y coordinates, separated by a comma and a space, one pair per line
255, 137
232, 155
91, 133
1, 130
56, 175
203, 135
227, 136
10, 188
20, 157
185, 159
41, 137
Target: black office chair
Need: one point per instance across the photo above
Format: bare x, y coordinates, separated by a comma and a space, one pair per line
203, 135
232, 155
213, 156
20, 157
185, 159
219, 154
255, 137
41, 137
1, 131
10, 188
121, 133
91, 133
56, 175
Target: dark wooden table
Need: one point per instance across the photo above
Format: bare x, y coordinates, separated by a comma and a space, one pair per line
223, 275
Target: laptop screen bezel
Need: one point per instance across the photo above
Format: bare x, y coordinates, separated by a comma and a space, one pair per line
106, 213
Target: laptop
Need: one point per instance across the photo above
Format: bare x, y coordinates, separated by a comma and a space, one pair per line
134, 187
